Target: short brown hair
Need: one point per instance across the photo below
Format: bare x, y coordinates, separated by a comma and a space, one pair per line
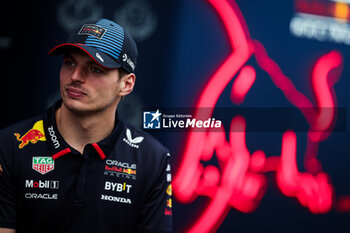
122, 72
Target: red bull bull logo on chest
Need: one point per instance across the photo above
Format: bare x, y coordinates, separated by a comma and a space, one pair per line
34, 135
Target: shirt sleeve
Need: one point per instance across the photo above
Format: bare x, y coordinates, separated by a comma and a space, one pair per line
7, 193
157, 212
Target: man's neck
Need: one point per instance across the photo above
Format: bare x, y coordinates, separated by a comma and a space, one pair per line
78, 131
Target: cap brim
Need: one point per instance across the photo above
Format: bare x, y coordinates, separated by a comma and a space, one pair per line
97, 55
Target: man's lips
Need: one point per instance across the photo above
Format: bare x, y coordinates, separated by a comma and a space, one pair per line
75, 93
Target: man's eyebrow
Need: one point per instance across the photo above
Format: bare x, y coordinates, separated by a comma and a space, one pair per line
96, 64
67, 56
91, 62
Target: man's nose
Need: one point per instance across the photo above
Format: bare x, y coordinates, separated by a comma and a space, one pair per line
78, 75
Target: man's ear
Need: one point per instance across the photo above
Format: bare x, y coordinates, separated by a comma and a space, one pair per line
127, 84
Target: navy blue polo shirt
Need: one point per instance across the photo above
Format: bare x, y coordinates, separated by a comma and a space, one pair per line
120, 184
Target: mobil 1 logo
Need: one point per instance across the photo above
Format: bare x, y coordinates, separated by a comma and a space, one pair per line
42, 184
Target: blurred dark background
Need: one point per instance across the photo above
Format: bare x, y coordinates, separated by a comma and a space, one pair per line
181, 44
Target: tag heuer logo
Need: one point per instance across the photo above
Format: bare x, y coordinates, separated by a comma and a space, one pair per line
43, 165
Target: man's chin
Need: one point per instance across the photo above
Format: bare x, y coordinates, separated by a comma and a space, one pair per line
77, 107
81, 108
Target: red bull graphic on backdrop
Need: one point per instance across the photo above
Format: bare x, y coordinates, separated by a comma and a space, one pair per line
239, 181
34, 135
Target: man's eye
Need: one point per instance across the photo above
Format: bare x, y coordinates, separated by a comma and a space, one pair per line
95, 69
68, 63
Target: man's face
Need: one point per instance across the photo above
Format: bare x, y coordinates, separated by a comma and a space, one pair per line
85, 86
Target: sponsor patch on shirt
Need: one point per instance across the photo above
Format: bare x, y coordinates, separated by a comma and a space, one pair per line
42, 184
33, 135
120, 169
168, 208
53, 137
169, 190
45, 196
118, 187
43, 165
115, 199
133, 142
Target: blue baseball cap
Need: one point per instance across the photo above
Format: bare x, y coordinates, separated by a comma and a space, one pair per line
105, 41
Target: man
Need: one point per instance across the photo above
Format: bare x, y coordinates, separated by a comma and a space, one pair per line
78, 168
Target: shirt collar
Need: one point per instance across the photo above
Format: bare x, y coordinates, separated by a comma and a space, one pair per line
59, 147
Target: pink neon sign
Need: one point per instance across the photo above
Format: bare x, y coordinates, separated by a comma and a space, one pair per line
239, 181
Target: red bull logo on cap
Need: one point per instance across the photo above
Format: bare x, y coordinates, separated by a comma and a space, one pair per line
34, 135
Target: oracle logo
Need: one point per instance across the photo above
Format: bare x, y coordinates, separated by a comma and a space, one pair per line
45, 196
